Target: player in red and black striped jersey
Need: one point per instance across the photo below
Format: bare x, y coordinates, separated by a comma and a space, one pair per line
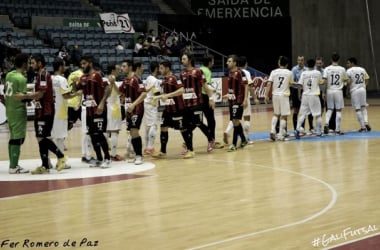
134, 91
44, 115
193, 80
172, 99
237, 97
95, 93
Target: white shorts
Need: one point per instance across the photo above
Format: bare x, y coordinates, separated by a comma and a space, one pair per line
150, 115
310, 104
334, 99
113, 124
59, 129
247, 111
281, 105
359, 98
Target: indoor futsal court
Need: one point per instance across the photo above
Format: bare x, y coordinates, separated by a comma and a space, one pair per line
312, 193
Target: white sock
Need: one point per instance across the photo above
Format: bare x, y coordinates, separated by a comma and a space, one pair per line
365, 115
282, 127
152, 136
59, 142
86, 146
246, 126
114, 142
359, 115
274, 123
328, 116
318, 122
230, 126
300, 120
338, 120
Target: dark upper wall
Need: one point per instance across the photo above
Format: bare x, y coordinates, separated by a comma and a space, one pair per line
320, 27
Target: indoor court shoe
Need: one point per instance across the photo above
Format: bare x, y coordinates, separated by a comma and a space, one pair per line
325, 129
339, 133
40, 170
148, 151
211, 146
272, 136
116, 158
362, 130
158, 155
18, 170
184, 149
89, 161
106, 164
231, 148
298, 135
189, 154
138, 160
368, 127
225, 138
243, 144
61, 163
96, 164
218, 145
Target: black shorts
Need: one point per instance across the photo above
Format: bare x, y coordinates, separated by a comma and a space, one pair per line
43, 126
192, 117
296, 102
96, 124
236, 111
134, 121
172, 120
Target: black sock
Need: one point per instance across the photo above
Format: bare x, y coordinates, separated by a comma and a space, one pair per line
188, 138
96, 146
295, 116
53, 148
137, 145
164, 137
310, 118
205, 131
44, 153
241, 133
104, 146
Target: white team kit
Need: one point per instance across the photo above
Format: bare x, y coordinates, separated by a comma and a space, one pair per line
114, 110
60, 125
358, 76
151, 111
310, 81
247, 110
281, 80
335, 77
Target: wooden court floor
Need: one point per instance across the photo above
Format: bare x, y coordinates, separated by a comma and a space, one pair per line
306, 194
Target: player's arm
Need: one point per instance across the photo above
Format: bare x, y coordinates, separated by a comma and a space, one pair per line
29, 95
102, 103
140, 99
177, 92
267, 91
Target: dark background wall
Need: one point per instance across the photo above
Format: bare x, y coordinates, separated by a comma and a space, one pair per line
320, 27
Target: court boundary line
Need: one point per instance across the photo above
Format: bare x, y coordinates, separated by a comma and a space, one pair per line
312, 217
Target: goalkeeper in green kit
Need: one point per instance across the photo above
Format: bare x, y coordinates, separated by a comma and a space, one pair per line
15, 96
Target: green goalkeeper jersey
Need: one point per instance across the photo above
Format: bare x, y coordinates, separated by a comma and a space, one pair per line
15, 83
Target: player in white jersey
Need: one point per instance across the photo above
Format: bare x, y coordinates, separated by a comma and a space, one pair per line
62, 92
310, 81
280, 80
358, 81
334, 78
152, 85
113, 111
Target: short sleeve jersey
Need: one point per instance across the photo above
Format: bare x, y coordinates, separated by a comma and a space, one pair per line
93, 91
281, 80
45, 105
192, 80
357, 76
15, 82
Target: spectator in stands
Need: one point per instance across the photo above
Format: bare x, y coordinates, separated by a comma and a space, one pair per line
8, 51
175, 49
75, 54
119, 45
138, 45
64, 54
